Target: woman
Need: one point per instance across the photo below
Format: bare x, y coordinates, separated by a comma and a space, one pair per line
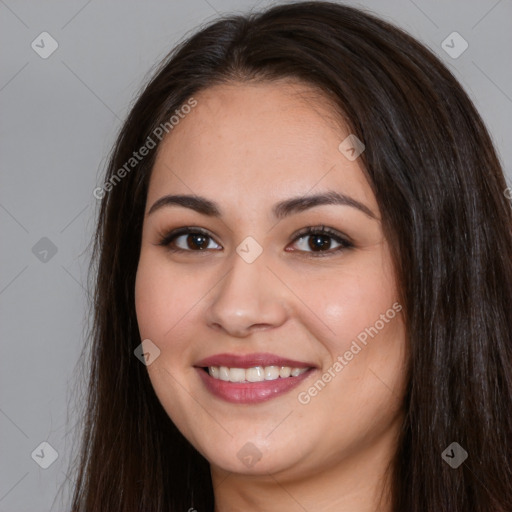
304, 281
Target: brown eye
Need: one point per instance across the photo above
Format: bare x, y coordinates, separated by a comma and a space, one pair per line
313, 241
187, 240
320, 239
195, 241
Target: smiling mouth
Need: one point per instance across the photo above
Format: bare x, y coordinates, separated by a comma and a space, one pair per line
253, 374
251, 378
252, 385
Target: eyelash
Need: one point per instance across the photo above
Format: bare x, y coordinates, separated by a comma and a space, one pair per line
168, 238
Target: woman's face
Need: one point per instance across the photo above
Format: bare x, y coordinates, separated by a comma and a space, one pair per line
259, 298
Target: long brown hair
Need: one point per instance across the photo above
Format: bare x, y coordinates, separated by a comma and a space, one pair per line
440, 189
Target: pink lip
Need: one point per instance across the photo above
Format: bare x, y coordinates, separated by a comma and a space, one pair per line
250, 392
250, 361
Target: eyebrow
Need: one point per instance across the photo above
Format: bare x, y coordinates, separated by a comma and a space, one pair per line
280, 210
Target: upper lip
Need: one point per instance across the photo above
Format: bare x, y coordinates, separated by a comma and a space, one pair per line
251, 361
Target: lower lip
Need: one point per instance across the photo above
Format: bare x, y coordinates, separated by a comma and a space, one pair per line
250, 392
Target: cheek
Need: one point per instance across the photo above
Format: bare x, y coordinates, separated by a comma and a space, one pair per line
369, 345
164, 301
351, 301
363, 377
163, 297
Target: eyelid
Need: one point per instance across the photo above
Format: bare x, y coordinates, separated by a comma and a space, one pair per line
165, 239
324, 230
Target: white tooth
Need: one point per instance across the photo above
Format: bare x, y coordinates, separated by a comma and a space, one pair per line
285, 371
256, 374
236, 374
224, 373
271, 372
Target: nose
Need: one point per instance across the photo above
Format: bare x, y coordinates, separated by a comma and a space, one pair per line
249, 298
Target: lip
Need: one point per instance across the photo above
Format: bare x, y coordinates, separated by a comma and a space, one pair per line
250, 392
250, 361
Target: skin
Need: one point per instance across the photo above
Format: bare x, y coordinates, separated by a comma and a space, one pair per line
246, 147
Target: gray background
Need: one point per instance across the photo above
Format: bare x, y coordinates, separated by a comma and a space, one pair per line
59, 117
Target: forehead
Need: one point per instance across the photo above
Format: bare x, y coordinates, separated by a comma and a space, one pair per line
263, 140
